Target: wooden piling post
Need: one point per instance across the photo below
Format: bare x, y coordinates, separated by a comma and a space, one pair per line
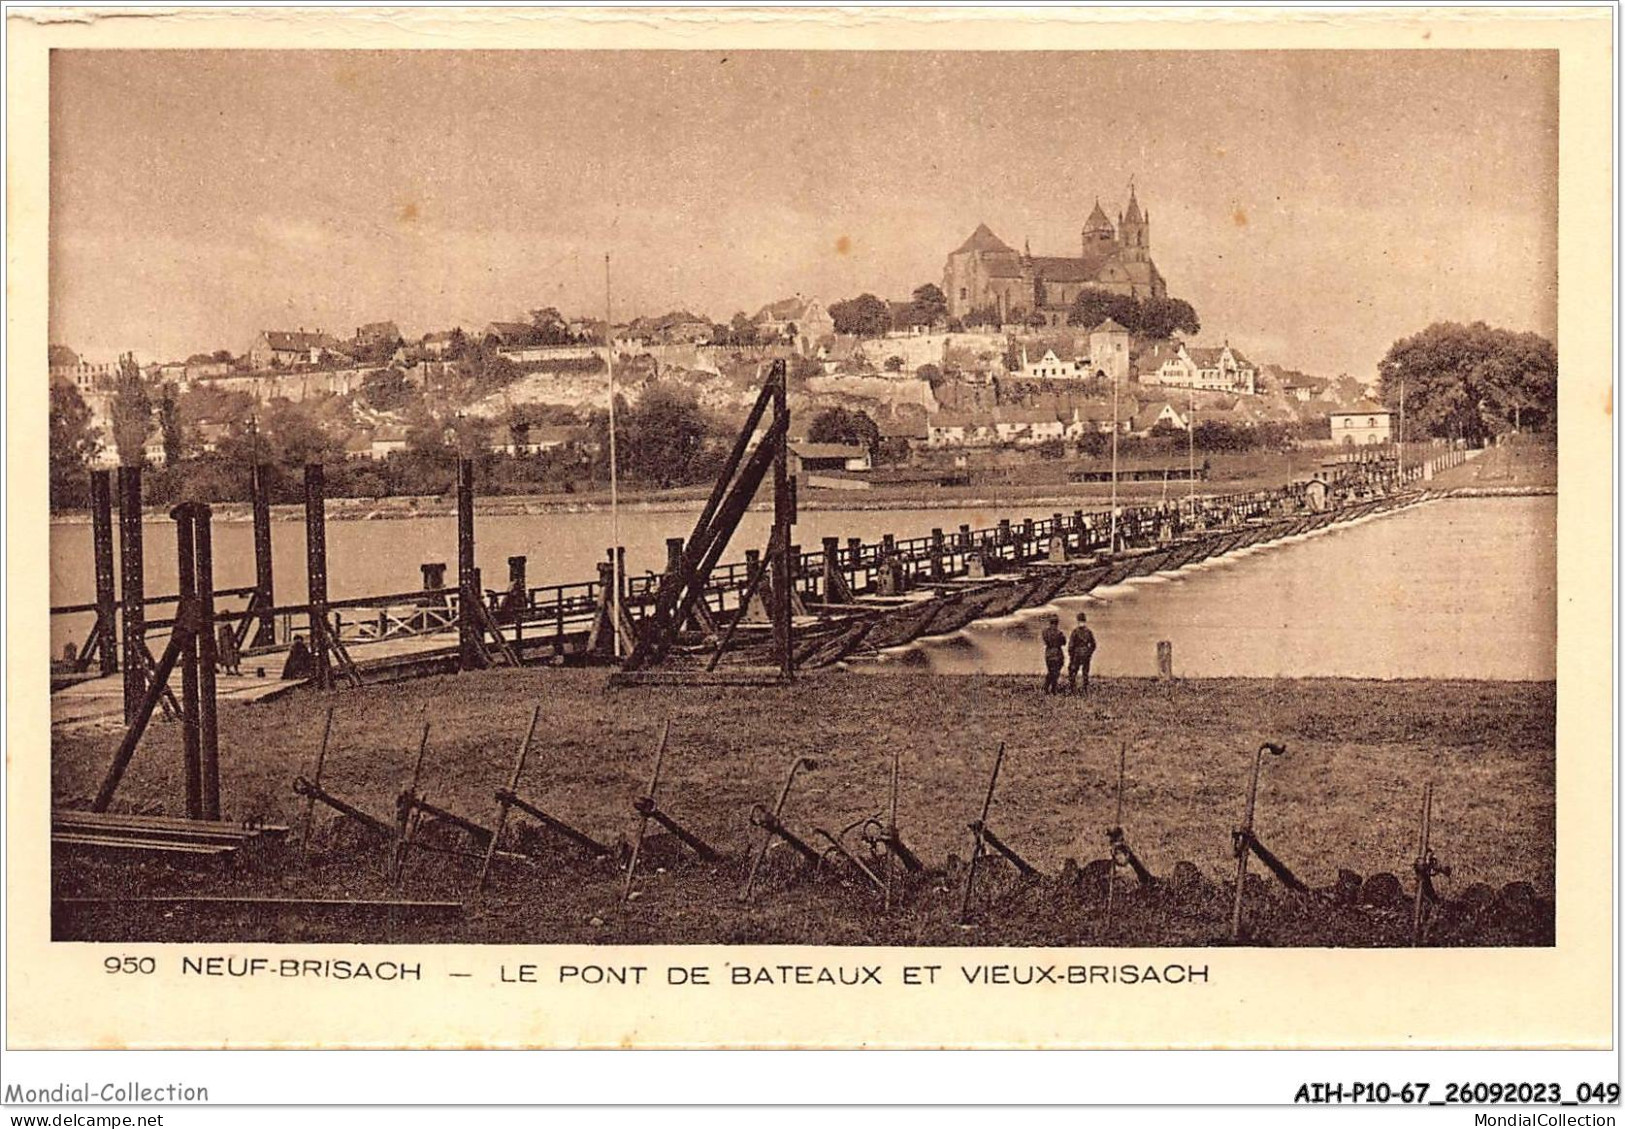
316, 570
783, 519
467, 618
101, 517
938, 545
674, 556
208, 657
186, 574
132, 591
434, 577
830, 586
264, 581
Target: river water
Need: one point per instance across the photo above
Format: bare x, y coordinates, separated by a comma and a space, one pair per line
1456, 588
1459, 588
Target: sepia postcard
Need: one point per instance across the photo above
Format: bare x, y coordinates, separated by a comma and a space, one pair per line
791, 528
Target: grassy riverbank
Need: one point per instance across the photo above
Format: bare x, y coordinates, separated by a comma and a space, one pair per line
1345, 797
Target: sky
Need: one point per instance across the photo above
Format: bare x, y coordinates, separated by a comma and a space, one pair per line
1312, 206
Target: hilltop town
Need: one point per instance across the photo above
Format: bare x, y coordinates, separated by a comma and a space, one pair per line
1014, 358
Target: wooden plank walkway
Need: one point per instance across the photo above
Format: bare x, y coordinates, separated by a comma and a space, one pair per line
99, 702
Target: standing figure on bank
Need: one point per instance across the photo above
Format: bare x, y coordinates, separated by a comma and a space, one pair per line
1054, 655
1082, 649
227, 657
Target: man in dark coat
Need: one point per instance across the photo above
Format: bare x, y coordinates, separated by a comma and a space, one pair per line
1081, 647
1054, 655
300, 662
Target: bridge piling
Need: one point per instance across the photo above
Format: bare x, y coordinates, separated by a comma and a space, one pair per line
316, 571
101, 518
191, 729
467, 623
208, 657
132, 590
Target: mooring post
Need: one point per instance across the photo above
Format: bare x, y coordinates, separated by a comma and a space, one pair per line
434, 578
964, 536
1002, 537
517, 601
208, 656
1028, 533
829, 586
467, 627
938, 544
674, 556
264, 586
753, 583
132, 591
101, 516
316, 569
186, 576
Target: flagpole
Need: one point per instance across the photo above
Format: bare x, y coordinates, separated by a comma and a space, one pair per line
1116, 427
1402, 431
614, 473
1190, 434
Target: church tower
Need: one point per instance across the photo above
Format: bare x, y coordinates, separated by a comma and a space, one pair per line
1134, 229
1097, 230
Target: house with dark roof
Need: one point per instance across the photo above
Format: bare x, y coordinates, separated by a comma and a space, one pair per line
287, 348
803, 321
806, 458
1205, 368
508, 334
985, 273
1157, 412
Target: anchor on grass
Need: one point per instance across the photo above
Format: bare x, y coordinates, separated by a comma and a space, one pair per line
773, 826
1426, 866
312, 791
648, 809
1121, 853
984, 839
1246, 843
411, 809
508, 799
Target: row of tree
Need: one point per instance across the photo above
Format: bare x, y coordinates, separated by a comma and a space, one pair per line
1471, 381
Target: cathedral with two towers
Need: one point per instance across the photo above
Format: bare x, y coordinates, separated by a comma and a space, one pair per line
986, 275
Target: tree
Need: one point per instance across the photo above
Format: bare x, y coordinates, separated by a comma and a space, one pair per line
1094, 305
169, 426
931, 374
73, 444
803, 368
838, 425
131, 413
863, 316
1470, 381
550, 326
930, 304
663, 434
1163, 317
291, 435
387, 390
893, 363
